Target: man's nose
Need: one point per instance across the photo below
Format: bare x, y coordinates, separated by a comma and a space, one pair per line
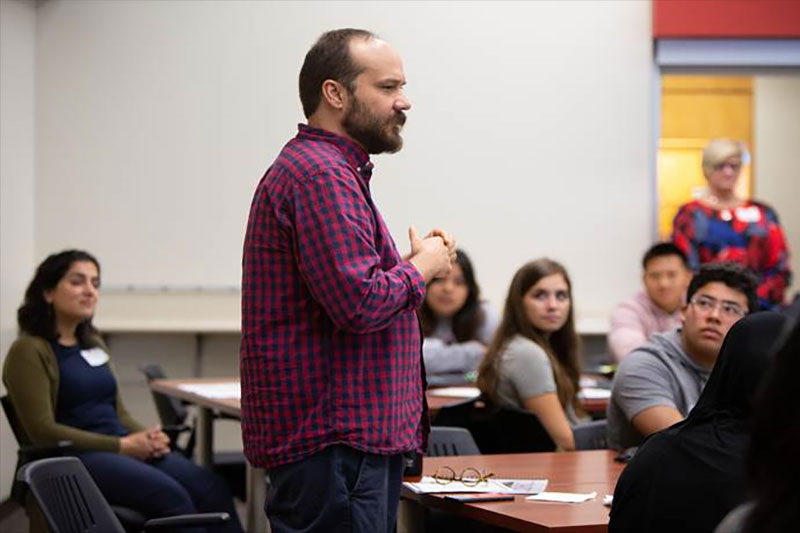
715, 313
402, 103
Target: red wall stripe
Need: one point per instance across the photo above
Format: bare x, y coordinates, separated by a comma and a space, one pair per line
726, 18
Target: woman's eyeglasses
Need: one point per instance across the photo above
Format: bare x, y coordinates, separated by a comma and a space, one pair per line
469, 477
736, 167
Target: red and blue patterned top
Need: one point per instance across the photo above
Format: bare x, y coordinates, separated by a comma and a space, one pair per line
749, 234
331, 343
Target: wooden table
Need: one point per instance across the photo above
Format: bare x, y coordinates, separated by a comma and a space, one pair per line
583, 471
568, 472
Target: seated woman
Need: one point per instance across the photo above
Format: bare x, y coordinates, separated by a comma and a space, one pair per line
532, 363
59, 380
687, 477
456, 324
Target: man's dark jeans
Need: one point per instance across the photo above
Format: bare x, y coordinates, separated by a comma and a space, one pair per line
337, 489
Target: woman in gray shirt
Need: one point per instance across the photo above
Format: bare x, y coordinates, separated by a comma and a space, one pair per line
532, 363
456, 324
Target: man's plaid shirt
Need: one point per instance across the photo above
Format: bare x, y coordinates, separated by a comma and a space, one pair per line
331, 347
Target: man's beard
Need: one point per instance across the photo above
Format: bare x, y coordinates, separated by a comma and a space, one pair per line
375, 135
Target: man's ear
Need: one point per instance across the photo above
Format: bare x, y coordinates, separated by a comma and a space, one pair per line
335, 94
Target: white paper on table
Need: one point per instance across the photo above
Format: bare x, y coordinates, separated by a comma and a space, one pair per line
608, 499
456, 392
563, 497
428, 485
216, 391
591, 393
524, 486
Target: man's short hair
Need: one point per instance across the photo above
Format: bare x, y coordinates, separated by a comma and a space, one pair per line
731, 274
662, 249
329, 59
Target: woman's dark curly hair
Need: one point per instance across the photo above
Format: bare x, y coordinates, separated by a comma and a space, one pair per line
35, 316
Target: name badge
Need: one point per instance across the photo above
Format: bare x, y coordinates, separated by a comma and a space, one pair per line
95, 356
748, 214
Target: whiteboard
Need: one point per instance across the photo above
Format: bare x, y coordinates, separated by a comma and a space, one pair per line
530, 132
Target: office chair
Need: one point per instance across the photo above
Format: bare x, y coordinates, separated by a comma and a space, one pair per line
172, 413
174, 419
72, 503
449, 441
27, 453
497, 429
591, 436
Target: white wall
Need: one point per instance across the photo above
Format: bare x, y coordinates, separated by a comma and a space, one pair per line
17, 51
529, 136
777, 138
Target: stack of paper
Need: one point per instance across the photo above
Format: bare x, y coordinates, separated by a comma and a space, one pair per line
428, 485
589, 393
455, 392
217, 391
563, 497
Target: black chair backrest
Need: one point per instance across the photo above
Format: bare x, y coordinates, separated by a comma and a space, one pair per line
68, 497
13, 421
445, 441
27, 453
591, 436
497, 429
171, 411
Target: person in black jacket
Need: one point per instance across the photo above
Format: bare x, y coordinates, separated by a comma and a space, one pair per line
688, 476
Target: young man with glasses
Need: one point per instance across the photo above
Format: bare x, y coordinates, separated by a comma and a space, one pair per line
658, 383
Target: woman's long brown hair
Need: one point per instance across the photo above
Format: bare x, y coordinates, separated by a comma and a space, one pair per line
561, 347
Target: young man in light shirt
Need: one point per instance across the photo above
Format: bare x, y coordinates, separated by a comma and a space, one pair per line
657, 308
658, 383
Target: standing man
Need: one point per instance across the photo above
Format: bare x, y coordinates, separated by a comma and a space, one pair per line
656, 309
331, 364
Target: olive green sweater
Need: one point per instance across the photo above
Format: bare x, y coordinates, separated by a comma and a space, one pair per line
31, 376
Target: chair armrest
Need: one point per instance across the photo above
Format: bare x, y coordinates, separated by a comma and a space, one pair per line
30, 452
173, 432
187, 520
176, 429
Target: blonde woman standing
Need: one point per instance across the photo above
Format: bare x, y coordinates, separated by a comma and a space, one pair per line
721, 226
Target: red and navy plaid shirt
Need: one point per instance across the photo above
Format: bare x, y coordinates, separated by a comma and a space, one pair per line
331, 349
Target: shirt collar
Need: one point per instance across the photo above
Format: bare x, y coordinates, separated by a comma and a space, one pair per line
353, 152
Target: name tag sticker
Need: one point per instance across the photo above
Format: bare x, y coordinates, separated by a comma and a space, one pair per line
95, 356
748, 214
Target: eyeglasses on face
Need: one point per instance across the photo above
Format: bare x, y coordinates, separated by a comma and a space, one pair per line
706, 305
469, 477
736, 167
